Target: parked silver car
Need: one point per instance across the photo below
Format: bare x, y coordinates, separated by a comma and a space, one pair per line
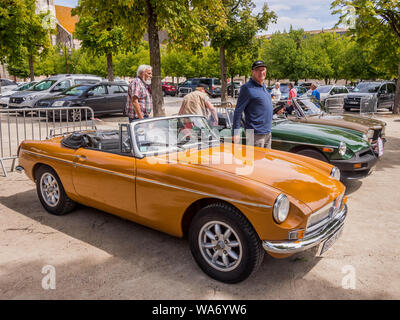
47, 88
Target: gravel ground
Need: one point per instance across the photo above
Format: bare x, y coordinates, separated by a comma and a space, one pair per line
99, 256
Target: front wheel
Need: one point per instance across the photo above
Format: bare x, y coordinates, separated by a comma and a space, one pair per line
51, 192
224, 244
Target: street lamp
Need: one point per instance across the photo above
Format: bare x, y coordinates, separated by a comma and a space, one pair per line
66, 52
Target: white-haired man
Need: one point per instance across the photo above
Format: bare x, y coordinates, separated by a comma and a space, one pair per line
276, 92
138, 102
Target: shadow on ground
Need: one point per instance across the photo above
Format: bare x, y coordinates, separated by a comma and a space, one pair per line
147, 264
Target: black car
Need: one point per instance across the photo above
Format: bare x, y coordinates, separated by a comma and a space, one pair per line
102, 97
214, 86
381, 93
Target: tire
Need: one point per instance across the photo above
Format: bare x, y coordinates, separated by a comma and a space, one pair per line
51, 192
312, 154
233, 263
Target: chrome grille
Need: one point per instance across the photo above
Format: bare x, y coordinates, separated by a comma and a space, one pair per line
320, 218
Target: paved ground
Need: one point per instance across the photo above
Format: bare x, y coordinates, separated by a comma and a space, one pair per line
99, 256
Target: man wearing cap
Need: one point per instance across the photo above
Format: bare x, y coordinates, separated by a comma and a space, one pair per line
256, 103
198, 102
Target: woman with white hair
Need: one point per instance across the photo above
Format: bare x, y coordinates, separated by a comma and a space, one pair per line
139, 102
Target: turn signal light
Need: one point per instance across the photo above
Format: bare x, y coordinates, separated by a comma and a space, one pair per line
296, 234
357, 165
327, 149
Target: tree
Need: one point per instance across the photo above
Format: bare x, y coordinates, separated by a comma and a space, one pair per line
185, 22
374, 19
239, 32
23, 33
101, 32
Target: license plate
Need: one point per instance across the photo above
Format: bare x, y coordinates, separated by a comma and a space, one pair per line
353, 102
330, 241
380, 147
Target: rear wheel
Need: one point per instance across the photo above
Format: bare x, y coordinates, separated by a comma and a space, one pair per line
51, 192
224, 244
312, 154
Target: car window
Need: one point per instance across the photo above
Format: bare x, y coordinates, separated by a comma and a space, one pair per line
324, 89
114, 89
7, 83
63, 85
76, 91
97, 91
43, 85
391, 88
382, 89
367, 87
205, 81
217, 82
124, 88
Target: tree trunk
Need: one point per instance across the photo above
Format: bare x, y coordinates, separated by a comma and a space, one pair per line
110, 72
155, 61
32, 74
222, 62
396, 107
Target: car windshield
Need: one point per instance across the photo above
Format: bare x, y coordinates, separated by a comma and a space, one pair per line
43, 85
173, 134
324, 89
310, 106
76, 91
25, 86
367, 87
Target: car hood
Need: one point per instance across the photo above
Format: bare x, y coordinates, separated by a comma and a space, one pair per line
300, 177
354, 122
309, 133
360, 94
28, 93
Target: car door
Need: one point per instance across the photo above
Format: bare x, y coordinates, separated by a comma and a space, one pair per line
106, 180
382, 96
96, 99
116, 98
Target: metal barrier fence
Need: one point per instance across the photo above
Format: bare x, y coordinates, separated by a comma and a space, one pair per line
334, 104
17, 125
368, 105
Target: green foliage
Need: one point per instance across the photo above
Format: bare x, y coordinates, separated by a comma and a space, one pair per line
23, 35
126, 64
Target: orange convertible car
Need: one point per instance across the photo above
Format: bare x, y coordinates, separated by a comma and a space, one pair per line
174, 174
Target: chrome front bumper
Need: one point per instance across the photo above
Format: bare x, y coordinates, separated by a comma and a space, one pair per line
287, 246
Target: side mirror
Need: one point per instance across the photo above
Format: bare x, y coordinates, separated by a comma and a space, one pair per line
89, 94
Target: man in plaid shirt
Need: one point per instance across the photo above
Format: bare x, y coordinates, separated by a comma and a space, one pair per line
138, 102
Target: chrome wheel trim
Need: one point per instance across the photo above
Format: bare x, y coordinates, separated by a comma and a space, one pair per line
49, 189
75, 115
220, 246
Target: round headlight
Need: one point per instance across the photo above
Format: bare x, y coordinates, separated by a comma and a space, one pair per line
342, 148
281, 208
335, 173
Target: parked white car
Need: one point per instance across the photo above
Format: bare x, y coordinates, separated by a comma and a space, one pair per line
331, 90
5, 95
47, 88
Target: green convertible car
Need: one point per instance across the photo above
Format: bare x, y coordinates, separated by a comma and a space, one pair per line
347, 149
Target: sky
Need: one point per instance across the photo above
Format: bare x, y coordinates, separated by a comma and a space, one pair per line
306, 14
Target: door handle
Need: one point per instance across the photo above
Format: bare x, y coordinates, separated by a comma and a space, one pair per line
81, 157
